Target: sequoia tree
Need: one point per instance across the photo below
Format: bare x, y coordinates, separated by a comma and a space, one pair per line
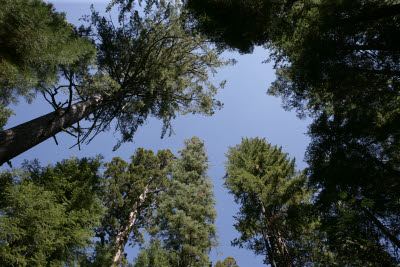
146, 66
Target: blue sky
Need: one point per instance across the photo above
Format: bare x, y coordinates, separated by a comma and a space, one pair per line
248, 112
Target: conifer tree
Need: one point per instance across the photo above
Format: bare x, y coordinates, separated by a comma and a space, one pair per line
148, 65
48, 214
274, 203
184, 219
129, 192
36, 43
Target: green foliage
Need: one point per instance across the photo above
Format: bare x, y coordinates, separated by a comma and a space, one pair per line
155, 68
275, 217
228, 262
153, 255
146, 65
184, 219
124, 186
35, 42
337, 61
48, 214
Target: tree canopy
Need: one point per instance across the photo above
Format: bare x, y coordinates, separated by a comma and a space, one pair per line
183, 225
36, 42
48, 214
274, 217
129, 194
338, 62
148, 65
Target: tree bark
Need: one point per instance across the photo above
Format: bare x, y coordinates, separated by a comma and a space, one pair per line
20, 138
269, 250
275, 242
283, 251
125, 231
266, 236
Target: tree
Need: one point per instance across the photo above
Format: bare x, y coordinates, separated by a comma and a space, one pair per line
337, 61
48, 214
35, 42
129, 194
148, 66
184, 219
274, 217
228, 262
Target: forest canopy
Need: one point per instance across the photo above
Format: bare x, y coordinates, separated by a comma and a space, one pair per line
337, 63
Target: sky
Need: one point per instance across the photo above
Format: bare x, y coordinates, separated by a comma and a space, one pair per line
248, 112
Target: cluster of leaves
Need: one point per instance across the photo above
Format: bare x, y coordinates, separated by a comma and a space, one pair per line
228, 262
129, 194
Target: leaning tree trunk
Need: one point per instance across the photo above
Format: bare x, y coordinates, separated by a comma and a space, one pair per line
20, 138
125, 231
392, 237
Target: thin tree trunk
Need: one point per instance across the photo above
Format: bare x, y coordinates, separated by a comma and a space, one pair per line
271, 255
373, 14
281, 256
269, 250
20, 138
125, 231
381, 227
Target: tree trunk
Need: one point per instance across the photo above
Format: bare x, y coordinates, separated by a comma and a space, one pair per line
275, 242
266, 237
125, 231
284, 256
373, 14
383, 228
269, 250
19, 139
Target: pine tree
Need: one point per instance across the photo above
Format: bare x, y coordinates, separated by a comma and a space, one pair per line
184, 219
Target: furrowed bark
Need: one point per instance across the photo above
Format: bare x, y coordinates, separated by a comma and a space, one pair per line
125, 231
23, 137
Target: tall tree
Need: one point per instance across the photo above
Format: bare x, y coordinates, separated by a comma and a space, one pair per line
35, 41
48, 214
274, 203
184, 219
129, 194
339, 62
147, 66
